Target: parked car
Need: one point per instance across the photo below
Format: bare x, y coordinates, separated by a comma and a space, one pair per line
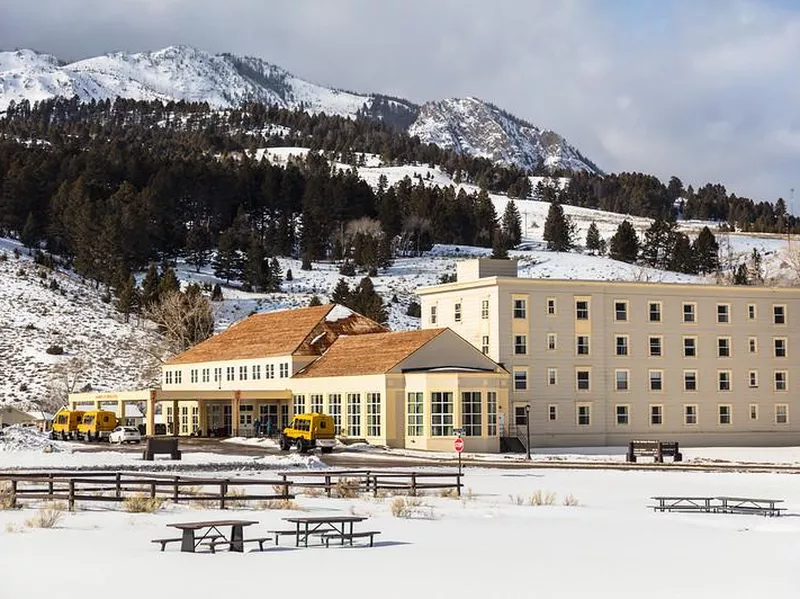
125, 434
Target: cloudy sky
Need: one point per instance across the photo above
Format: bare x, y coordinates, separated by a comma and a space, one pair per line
707, 90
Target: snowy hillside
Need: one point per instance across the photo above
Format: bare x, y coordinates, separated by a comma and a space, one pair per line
471, 126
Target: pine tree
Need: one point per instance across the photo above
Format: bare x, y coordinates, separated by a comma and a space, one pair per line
127, 298
594, 243
275, 275
756, 269
624, 244
216, 294
706, 250
150, 286
500, 246
341, 293
256, 270
365, 300
683, 258
659, 242
228, 263
314, 301
168, 282
29, 235
198, 246
740, 275
558, 230
512, 224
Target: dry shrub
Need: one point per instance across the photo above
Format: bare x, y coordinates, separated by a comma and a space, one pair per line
12, 527
348, 488
540, 497
280, 489
470, 494
516, 499
571, 501
142, 504
278, 504
411, 508
448, 493
192, 491
312, 492
7, 499
232, 498
47, 516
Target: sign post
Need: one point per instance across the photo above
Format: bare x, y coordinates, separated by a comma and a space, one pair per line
458, 445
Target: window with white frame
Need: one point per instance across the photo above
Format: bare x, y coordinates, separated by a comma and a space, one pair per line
583, 380
781, 413
584, 414
178, 377
193, 375
552, 413
206, 375
335, 410
485, 344
299, 404
621, 345
433, 315
195, 418
690, 414
551, 341
283, 370
690, 347
551, 306
654, 311
520, 345
656, 415
415, 416
269, 371
582, 309
491, 413
655, 346
471, 413
621, 380
582, 345
752, 379
520, 308
690, 380
354, 414
520, 415
442, 414
621, 311
723, 347
457, 312
724, 380
217, 374
373, 414
316, 402
256, 372
656, 378
623, 415
724, 414
752, 345
552, 376
751, 312
753, 411
520, 379
185, 419
723, 314
485, 309
168, 377
781, 380
242, 373
780, 347
779, 314
689, 312
230, 373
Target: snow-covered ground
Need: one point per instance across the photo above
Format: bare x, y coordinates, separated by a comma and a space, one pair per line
489, 543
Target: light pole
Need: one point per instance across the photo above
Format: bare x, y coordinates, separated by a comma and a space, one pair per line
528, 429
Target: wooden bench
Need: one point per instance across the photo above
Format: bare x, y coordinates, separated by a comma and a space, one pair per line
165, 542
156, 445
326, 537
655, 449
213, 544
282, 533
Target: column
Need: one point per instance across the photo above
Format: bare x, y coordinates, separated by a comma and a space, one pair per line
151, 414
176, 418
202, 416
120, 412
237, 396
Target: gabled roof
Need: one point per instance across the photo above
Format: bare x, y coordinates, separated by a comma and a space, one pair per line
304, 332
368, 354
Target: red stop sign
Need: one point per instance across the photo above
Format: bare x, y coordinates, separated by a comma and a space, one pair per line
459, 445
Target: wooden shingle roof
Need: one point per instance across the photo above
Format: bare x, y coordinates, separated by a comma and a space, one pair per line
368, 354
304, 331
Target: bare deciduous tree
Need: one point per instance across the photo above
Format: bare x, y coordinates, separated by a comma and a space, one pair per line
184, 319
65, 379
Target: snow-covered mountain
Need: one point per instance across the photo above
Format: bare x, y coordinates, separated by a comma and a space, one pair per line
224, 80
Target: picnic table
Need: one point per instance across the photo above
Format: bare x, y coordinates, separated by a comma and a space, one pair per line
687, 504
750, 505
717, 504
210, 532
327, 526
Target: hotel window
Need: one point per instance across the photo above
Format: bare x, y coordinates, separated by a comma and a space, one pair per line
655, 347
752, 379
623, 415
654, 311
485, 309
752, 344
195, 418
520, 308
724, 380
621, 345
551, 341
781, 413
299, 404
690, 347
780, 347
656, 415
230, 373
582, 309
552, 413
184, 419
491, 413
457, 312
193, 375
415, 418
582, 345
471, 413
621, 380
373, 414
433, 315
256, 372
206, 374
751, 311
217, 375
552, 376
690, 380
316, 403
242, 373
168, 377
583, 380
656, 380
689, 312
724, 412
621, 311
485, 344
178, 377
781, 383
551, 306
335, 410
353, 414
520, 416
723, 347
779, 314
441, 414
690, 414
284, 370
753, 411
723, 314
520, 345
520, 379
269, 371
584, 415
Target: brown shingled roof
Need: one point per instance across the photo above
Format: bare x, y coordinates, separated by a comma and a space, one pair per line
280, 333
368, 354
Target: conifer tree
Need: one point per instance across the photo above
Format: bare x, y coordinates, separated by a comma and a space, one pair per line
740, 275
168, 282
341, 293
216, 294
512, 224
198, 246
127, 298
594, 243
706, 250
228, 263
558, 230
683, 258
659, 242
624, 244
29, 235
256, 270
314, 301
150, 285
365, 300
500, 246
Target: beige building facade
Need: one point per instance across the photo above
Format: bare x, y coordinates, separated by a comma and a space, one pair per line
602, 362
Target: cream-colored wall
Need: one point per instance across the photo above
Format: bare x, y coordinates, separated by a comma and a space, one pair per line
295, 363
447, 349
602, 362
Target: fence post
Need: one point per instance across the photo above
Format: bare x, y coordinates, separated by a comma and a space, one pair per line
175, 488
367, 478
118, 489
223, 490
458, 483
13, 493
50, 485
375, 486
328, 485
413, 484
152, 489
71, 495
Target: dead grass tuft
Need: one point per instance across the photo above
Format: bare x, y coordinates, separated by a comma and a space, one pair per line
7, 499
142, 504
571, 501
47, 516
348, 488
278, 504
540, 497
410, 508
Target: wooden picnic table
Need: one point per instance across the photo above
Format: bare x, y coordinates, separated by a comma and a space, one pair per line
211, 529
749, 505
683, 503
308, 525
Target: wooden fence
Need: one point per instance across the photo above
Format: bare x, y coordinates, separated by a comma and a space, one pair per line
408, 482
